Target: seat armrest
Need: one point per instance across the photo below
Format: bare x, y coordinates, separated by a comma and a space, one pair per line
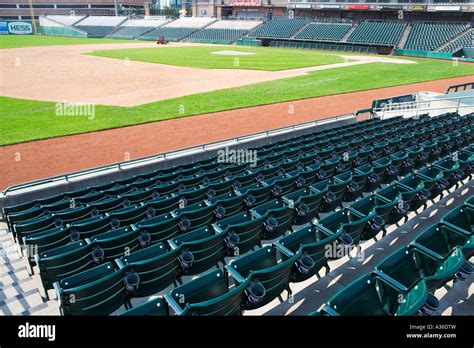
390, 281
236, 275
173, 304
284, 250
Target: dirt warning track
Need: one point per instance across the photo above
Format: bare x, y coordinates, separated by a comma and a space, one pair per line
40, 159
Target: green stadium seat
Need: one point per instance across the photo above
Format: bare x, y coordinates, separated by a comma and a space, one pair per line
118, 242
277, 217
414, 184
208, 294
268, 277
255, 194
160, 228
249, 232
436, 256
155, 307
97, 291
312, 244
361, 297
451, 171
401, 271
157, 266
306, 203
433, 180
221, 36
201, 249
66, 261
366, 206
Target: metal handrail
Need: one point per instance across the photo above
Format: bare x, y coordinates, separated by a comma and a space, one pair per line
423, 105
174, 153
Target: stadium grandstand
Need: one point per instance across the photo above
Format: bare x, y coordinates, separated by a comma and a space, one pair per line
276, 158
99, 26
179, 29
134, 28
224, 31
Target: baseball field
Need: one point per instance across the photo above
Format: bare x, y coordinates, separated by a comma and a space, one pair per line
132, 83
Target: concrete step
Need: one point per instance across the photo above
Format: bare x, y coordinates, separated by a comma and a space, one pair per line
20, 287
20, 303
46, 308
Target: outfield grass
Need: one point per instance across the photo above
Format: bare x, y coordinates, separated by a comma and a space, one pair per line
263, 58
14, 41
24, 120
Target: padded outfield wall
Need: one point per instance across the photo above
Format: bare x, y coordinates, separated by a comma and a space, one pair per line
423, 54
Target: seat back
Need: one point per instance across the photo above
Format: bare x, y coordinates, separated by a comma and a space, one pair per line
97, 291
157, 266
358, 298
209, 294
155, 307
64, 261
207, 249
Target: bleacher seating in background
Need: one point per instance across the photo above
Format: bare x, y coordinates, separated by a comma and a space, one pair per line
99, 26
134, 28
224, 31
324, 31
279, 28
178, 29
429, 36
377, 32
466, 40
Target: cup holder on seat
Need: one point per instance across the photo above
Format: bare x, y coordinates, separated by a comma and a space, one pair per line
256, 292
132, 281
305, 263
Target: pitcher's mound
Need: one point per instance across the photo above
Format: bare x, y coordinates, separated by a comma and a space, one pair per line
233, 53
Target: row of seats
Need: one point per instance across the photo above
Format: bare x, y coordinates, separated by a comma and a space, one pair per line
375, 32
428, 36
29, 218
324, 31
129, 32
225, 36
279, 28
261, 275
404, 282
88, 248
95, 30
464, 41
117, 199
170, 34
180, 172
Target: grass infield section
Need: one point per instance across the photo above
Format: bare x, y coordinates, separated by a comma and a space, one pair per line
15, 41
261, 58
25, 120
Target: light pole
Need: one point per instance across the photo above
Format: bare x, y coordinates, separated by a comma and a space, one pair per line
115, 7
32, 15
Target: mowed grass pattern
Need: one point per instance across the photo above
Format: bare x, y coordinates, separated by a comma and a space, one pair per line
25, 120
263, 58
15, 41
